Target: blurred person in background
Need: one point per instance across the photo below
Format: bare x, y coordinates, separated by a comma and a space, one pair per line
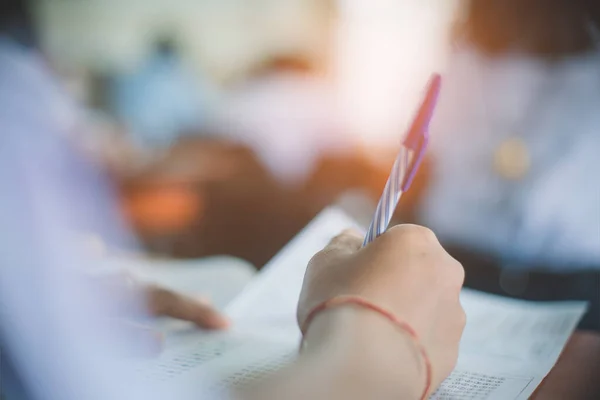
511, 187
286, 112
162, 100
296, 155
47, 180
57, 330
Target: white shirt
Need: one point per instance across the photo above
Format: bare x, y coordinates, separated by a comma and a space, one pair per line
551, 216
290, 121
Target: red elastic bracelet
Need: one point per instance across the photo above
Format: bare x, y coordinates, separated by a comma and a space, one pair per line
390, 316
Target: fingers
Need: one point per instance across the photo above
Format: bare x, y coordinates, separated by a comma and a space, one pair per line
341, 246
349, 239
164, 302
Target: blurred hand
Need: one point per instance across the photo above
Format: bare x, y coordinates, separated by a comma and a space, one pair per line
159, 302
405, 270
166, 303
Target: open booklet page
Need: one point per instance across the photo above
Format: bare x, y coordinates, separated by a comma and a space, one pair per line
507, 349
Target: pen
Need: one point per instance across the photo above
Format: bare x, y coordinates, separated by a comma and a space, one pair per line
407, 163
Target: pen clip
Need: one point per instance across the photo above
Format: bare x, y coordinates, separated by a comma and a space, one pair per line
418, 136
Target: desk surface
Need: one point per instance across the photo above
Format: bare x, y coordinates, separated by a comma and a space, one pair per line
576, 375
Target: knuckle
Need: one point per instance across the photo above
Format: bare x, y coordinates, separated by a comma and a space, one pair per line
453, 273
458, 272
413, 233
428, 235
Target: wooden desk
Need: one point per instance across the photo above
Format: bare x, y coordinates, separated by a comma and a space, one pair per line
576, 376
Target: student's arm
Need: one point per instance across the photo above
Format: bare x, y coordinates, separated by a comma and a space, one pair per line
353, 353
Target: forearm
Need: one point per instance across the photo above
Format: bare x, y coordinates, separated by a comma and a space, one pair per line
349, 354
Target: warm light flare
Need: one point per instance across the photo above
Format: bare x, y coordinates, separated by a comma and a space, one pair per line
386, 51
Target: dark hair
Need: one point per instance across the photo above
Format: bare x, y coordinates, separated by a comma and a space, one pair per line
166, 45
546, 28
16, 21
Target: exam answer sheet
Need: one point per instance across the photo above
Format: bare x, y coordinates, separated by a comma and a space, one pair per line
508, 347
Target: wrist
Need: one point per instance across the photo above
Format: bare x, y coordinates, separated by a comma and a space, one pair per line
367, 351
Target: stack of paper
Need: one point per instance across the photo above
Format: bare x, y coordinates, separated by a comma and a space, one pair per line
508, 347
